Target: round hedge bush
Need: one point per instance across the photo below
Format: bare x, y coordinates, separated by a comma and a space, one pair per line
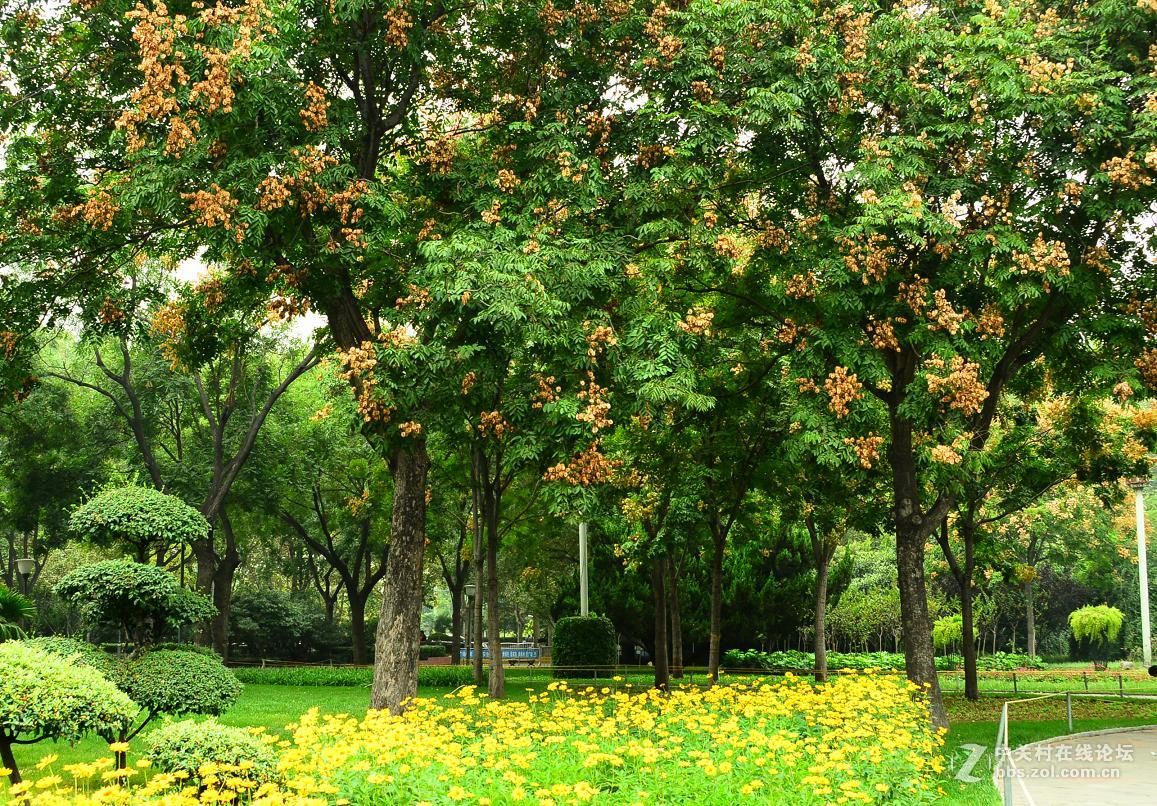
139, 517
80, 651
583, 644
177, 681
185, 746
47, 696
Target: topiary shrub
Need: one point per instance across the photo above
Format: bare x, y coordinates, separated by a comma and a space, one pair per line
948, 631
79, 651
47, 696
582, 644
427, 651
137, 517
1099, 625
144, 600
183, 747
178, 682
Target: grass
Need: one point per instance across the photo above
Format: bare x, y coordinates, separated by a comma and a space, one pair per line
274, 706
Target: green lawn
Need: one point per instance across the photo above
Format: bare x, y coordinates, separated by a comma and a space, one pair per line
273, 707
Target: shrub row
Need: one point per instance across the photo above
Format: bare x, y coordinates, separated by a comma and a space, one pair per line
430, 676
796, 661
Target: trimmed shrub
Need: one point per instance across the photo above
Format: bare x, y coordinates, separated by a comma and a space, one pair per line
79, 651
426, 651
582, 644
46, 696
183, 747
178, 682
138, 517
144, 599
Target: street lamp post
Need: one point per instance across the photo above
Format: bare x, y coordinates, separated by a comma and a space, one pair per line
584, 590
1138, 486
24, 567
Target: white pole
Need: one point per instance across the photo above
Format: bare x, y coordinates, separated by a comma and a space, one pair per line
1143, 573
584, 601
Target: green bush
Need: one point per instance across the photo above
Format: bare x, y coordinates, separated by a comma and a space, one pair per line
46, 696
178, 682
582, 644
79, 651
145, 600
274, 624
185, 746
947, 631
803, 662
138, 517
426, 651
428, 676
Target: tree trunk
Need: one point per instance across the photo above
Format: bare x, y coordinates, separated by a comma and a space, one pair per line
206, 558
919, 658
1030, 619
455, 626
676, 620
968, 639
399, 626
821, 647
719, 541
358, 628
662, 672
8, 759
497, 681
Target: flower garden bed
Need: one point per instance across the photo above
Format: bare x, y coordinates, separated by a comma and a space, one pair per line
858, 739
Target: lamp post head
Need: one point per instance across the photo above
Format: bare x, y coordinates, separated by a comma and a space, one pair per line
468, 590
1137, 484
25, 566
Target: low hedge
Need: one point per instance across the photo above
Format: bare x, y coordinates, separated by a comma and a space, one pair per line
795, 661
428, 676
186, 746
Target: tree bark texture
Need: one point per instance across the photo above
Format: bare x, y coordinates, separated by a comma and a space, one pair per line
398, 639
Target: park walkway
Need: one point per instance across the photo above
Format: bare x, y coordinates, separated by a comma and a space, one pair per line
1116, 767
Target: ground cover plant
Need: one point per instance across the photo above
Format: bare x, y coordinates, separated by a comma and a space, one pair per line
773, 742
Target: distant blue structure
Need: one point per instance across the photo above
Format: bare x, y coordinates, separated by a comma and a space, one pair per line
522, 653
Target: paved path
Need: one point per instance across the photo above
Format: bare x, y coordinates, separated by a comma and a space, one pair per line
1103, 768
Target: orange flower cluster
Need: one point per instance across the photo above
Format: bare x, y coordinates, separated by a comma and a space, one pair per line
1044, 257
960, 388
867, 449
990, 323
155, 33
9, 341
411, 428
585, 469
492, 423
1044, 73
946, 455
314, 113
914, 294
468, 381
871, 260
212, 207
507, 180
597, 406
398, 25
169, 323
882, 335
1147, 364
598, 339
547, 391
943, 316
1126, 172
111, 312
843, 389
697, 322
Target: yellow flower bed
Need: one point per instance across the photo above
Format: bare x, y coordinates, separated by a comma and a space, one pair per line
860, 739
